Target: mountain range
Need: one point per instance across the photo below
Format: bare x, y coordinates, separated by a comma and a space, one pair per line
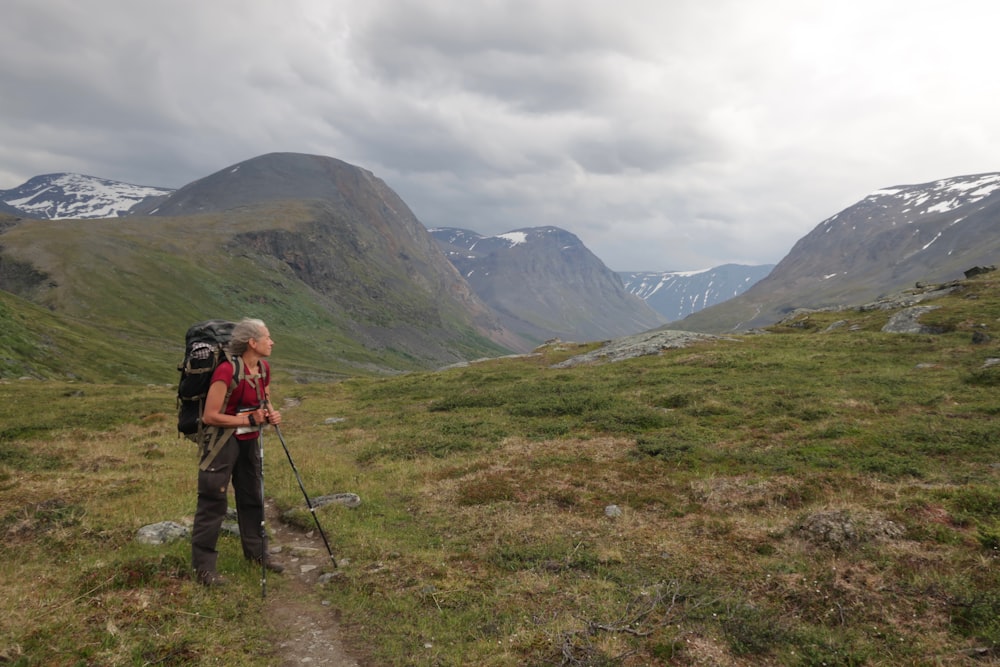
677, 294
890, 240
544, 283
323, 249
549, 301
339, 264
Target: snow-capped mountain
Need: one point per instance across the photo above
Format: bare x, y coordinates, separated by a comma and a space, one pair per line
545, 283
886, 242
672, 295
677, 294
906, 232
465, 248
61, 196
907, 203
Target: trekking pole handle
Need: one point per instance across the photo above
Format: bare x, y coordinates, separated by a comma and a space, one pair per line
269, 411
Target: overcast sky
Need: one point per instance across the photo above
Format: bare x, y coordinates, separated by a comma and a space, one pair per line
666, 134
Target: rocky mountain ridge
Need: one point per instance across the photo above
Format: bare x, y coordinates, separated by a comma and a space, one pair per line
888, 241
677, 294
544, 283
76, 196
356, 274
569, 294
302, 229
894, 237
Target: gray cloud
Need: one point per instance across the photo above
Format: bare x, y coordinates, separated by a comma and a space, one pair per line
675, 135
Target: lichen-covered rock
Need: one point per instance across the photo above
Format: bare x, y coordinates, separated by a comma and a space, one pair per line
161, 533
639, 345
843, 529
908, 321
351, 500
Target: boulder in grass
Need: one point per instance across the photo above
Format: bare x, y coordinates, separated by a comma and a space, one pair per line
351, 500
164, 532
843, 529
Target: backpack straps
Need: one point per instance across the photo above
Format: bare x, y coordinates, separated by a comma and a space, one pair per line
261, 385
215, 437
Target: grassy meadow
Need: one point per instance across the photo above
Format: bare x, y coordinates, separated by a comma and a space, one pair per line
810, 496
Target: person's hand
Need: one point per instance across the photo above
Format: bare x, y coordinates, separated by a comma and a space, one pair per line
273, 417
259, 416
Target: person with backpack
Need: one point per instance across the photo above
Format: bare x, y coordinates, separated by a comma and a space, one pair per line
236, 408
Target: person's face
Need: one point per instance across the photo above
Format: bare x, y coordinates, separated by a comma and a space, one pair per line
263, 344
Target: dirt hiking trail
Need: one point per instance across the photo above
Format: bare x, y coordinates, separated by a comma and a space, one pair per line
304, 630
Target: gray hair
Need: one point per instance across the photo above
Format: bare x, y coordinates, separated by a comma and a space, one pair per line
244, 330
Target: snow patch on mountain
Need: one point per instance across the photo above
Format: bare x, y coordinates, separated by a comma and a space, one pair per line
64, 196
514, 238
676, 294
905, 204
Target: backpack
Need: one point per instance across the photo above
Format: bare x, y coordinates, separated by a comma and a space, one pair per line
204, 349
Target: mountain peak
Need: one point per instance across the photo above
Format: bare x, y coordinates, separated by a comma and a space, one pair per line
455, 241
907, 204
884, 243
267, 178
677, 294
959, 189
545, 283
68, 195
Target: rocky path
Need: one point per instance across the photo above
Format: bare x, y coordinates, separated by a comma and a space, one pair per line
305, 630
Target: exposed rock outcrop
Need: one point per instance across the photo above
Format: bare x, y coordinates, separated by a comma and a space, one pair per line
843, 529
640, 345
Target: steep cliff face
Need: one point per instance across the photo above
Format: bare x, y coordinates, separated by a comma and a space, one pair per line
363, 248
545, 283
393, 294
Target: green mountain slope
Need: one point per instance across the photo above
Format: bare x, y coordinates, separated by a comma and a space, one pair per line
142, 281
38, 343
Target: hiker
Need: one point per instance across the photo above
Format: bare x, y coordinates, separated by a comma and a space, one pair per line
231, 451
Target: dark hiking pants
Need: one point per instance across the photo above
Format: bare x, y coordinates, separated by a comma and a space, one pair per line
238, 461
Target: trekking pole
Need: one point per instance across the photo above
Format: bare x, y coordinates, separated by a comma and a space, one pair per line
263, 527
312, 510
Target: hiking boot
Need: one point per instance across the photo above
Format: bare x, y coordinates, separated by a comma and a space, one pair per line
211, 578
271, 565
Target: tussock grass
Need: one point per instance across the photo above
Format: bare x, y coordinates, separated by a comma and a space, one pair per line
805, 497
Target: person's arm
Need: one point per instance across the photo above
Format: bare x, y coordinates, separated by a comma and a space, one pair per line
215, 415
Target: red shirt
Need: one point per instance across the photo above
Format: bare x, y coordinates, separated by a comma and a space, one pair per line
249, 393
